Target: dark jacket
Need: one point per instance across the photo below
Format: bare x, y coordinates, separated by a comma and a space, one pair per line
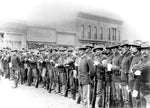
86, 69
116, 63
125, 66
100, 68
15, 61
143, 81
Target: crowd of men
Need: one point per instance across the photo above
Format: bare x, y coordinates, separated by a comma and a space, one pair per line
115, 76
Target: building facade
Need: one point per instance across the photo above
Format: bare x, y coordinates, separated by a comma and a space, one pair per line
82, 29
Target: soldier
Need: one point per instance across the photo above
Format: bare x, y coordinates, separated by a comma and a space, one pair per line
49, 70
86, 69
98, 84
135, 49
1, 64
69, 64
35, 74
44, 69
115, 76
124, 68
55, 57
15, 67
5, 61
62, 71
22, 69
141, 73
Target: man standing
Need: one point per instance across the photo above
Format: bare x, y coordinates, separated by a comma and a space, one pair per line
136, 51
99, 57
15, 67
85, 69
142, 73
125, 66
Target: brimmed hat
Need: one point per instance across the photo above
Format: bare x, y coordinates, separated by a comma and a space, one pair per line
82, 48
42, 49
124, 43
136, 43
98, 48
62, 49
14, 50
113, 46
145, 45
89, 46
70, 49
54, 49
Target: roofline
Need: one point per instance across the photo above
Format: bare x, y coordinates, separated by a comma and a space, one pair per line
99, 18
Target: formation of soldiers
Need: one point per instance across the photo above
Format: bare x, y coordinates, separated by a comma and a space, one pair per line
115, 76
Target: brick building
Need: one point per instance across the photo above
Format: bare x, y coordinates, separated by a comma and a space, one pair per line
81, 29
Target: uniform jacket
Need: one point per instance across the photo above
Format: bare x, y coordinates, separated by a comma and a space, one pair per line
100, 67
116, 62
125, 66
143, 81
15, 61
85, 69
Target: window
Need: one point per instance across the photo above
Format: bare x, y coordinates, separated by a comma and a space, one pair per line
89, 32
109, 34
119, 35
95, 35
114, 33
101, 33
82, 31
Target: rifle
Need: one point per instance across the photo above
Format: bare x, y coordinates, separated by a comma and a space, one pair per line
95, 89
67, 86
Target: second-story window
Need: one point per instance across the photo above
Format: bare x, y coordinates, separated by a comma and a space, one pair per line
114, 33
101, 33
89, 32
82, 31
109, 34
119, 35
95, 35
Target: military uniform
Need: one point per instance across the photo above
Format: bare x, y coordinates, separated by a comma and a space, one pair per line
100, 81
141, 86
22, 68
69, 65
126, 60
86, 69
15, 68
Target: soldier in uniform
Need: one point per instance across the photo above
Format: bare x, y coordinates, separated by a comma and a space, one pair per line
22, 69
86, 69
49, 70
115, 76
126, 60
5, 61
136, 51
98, 88
15, 67
69, 64
55, 57
44, 69
141, 73
62, 71
34, 71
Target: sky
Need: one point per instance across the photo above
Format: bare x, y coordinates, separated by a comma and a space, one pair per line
134, 13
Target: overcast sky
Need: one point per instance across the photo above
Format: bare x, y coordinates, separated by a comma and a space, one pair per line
134, 13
